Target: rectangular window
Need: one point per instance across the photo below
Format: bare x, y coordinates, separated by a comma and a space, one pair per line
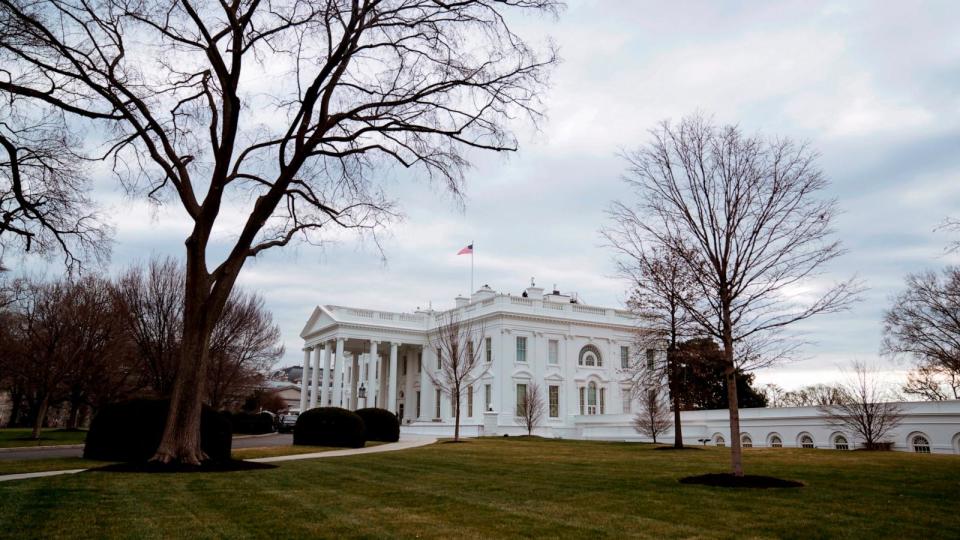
418, 404
404, 365
489, 345
470, 351
439, 359
521, 349
626, 401
553, 351
437, 408
420, 362
554, 402
651, 357
487, 397
624, 357
470, 401
603, 399
521, 398
583, 392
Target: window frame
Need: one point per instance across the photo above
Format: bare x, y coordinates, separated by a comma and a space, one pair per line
624, 356
521, 352
553, 352
521, 399
470, 401
553, 400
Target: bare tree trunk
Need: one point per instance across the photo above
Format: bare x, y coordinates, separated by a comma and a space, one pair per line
456, 426
675, 396
74, 421
736, 454
730, 374
181, 435
41, 416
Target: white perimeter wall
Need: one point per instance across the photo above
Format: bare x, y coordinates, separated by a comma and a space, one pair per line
939, 422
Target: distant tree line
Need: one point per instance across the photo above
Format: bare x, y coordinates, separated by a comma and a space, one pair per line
74, 345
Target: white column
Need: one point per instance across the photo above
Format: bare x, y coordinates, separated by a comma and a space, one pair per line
392, 381
354, 381
426, 390
371, 367
325, 383
409, 394
338, 375
304, 388
314, 373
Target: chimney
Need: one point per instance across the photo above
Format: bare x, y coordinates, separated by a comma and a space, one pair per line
534, 292
462, 300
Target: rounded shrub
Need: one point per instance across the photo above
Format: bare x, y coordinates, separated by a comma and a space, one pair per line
330, 426
130, 431
381, 424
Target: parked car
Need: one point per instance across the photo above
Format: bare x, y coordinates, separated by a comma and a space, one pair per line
287, 420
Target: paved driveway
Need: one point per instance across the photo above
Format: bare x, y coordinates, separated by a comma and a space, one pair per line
276, 439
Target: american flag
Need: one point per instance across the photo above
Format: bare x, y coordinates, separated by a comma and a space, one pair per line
466, 251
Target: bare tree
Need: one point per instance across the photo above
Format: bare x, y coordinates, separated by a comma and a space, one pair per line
923, 323
815, 395
868, 411
44, 202
775, 395
745, 215
245, 345
151, 299
66, 337
653, 419
933, 383
662, 284
531, 408
461, 359
284, 111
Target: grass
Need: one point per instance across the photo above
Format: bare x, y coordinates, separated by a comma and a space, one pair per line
505, 488
20, 437
17, 466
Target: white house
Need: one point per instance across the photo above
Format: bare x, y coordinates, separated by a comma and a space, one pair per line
577, 354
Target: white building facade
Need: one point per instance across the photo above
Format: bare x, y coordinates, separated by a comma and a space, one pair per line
576, 353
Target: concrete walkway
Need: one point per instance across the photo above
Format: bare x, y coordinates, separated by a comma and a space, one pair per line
405, 442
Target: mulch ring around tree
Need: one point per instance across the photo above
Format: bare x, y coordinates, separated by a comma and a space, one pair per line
746, 481
677, 449
232, 465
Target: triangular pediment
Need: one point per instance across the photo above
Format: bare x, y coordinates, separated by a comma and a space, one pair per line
319, 319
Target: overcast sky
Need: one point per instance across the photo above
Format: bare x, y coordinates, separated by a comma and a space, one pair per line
872, 86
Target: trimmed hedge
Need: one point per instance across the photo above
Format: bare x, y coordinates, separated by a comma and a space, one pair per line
249, 422
381, 424
130, 431
330, 426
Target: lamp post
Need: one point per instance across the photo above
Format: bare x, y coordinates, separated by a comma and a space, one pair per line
362, 394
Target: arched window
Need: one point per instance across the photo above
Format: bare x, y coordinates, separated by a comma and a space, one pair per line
776, 441
840, 443
590, 356
592, 398
746, 441
806, 441
921, 444
720, 441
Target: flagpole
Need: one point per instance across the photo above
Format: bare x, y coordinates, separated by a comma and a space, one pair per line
471, 266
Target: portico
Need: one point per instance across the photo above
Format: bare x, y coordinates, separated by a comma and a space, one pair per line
360, 365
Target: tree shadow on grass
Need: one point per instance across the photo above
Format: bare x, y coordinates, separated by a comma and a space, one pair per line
746, 481
232, 465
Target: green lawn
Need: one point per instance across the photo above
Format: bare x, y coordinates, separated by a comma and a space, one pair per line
19, 437
504, 487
